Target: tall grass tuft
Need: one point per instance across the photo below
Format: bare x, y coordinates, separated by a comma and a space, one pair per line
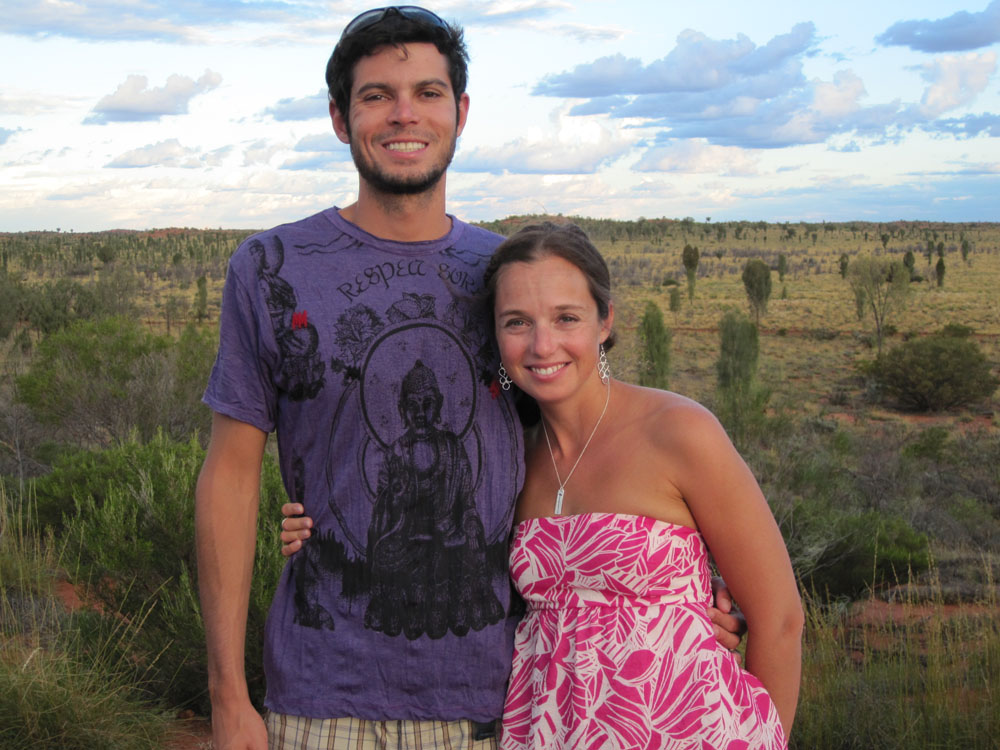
910, 674
59, 688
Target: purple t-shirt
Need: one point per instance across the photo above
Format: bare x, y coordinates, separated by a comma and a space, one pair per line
373, 363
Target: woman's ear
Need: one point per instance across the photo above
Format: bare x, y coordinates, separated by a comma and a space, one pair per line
608, 323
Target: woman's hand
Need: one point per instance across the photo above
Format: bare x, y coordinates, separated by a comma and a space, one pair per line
294, 528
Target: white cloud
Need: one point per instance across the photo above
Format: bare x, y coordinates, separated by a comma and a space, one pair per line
568, 145
134, 101
169, 153
26, 104
260, 152
156, 20
959, 31
302, 108
955, 81
698, 156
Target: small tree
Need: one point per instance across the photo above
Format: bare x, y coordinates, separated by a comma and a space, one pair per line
201, 301
741, 402
739, 349
655, 338
965, 250
690, 259
782, 266
880, 286
844, 262
173, 310
910, 262
757, 282
675, 300
939, 271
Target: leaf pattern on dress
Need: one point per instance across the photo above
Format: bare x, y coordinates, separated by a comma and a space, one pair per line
616, 649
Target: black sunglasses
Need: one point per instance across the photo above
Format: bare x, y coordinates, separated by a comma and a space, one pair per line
377, 15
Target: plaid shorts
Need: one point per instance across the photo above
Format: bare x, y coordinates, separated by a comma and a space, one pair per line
286, 732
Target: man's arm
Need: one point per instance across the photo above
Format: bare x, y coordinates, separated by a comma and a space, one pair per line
226, 504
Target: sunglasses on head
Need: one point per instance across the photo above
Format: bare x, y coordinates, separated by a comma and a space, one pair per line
377, 15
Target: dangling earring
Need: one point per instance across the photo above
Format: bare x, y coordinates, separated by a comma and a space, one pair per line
504, 380
603, 368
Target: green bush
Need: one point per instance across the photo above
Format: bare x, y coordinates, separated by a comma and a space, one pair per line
98, 381
133, 536
935, 372
863, 552
61, 684
924, 678
64, 694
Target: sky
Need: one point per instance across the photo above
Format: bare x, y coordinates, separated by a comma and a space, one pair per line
137, 114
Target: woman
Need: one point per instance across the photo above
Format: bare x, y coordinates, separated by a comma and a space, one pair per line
624, 488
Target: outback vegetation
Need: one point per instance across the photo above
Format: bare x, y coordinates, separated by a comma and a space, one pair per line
862, 391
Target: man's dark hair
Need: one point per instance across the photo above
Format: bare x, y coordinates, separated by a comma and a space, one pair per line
394, 30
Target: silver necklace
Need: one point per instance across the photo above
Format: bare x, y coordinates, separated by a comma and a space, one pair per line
562, 482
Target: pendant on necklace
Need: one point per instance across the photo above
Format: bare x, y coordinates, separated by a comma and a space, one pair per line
559, 497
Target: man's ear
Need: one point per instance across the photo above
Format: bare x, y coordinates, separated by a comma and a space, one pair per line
463, 113
340, 126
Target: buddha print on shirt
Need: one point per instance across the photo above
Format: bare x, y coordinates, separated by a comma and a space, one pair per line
405, 546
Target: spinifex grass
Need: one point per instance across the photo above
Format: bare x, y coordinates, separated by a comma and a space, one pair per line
59, 688
914, 674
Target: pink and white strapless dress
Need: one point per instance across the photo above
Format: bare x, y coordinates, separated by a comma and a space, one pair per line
616, 649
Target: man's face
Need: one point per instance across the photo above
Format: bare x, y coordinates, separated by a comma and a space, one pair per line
403, 119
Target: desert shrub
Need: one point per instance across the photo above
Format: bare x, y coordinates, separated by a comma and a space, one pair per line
12, 294
82, 376
823, 334
98, 381
867, 551
959, 486
134, 542
64, 694
924, 678
58, 687
849, 503
935, 372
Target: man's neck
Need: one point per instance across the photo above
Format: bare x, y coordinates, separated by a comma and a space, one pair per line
400, 218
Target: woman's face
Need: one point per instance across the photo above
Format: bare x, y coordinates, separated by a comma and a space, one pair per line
547, 327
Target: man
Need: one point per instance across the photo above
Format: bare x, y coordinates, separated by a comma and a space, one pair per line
356, 335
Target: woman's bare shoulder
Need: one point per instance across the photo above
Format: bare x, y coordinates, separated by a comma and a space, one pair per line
674, 421
658, 405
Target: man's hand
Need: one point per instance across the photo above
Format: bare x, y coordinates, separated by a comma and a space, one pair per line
728, 623
238, 728
294, 528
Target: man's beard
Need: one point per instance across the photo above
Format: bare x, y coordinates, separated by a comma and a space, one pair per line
401, 185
